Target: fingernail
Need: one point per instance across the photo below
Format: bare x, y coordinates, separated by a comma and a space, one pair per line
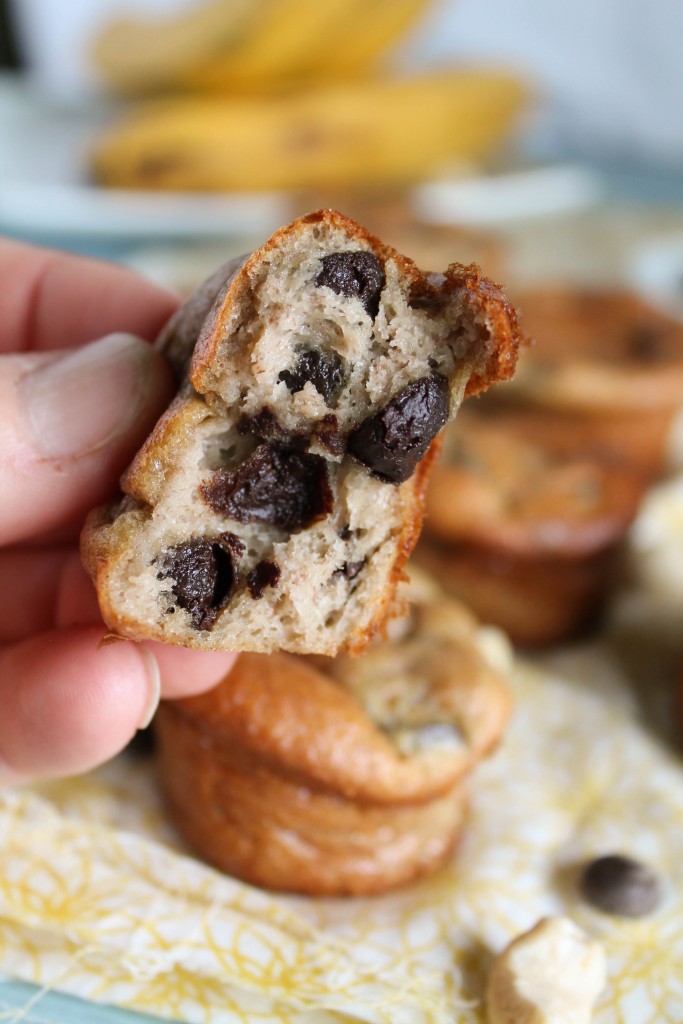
153, 686
82, 400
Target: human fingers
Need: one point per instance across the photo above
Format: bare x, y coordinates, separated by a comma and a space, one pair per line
185, 672
69, 424
52, 300
51, 589
69, 703
42, 589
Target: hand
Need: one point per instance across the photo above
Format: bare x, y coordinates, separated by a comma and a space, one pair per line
72, 413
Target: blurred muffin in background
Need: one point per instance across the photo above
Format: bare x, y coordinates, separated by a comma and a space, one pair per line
605, 373
524, 528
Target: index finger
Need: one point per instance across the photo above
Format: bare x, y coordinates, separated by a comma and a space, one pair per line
52, 300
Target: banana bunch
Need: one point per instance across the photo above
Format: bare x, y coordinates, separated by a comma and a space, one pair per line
365, 132
228, 46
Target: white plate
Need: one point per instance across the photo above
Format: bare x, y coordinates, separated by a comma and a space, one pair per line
44, 184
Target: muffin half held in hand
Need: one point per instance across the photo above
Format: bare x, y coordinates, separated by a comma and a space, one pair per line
336, 776
277, 499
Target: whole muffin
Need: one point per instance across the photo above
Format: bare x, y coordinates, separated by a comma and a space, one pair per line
607, 365
523, 528
338, 776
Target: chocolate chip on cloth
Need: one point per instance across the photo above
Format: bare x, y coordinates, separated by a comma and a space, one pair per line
621, 886
312, 395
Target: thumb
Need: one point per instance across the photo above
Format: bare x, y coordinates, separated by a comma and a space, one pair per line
69, 424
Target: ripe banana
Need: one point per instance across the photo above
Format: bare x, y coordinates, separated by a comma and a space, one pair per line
144, 55
365, 30
278, 48
375, 131
253, 45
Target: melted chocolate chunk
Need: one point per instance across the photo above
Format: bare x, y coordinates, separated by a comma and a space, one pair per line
274, 485
322, 369
358, 273
204, 575
391, 443
265, 574
621, 886
262, 424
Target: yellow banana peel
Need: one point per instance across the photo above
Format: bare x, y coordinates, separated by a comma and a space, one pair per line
377, 131
365, 30
137, 54
225, 46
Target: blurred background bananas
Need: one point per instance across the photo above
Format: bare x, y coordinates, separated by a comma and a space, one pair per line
228, 45
287, 94
362, 133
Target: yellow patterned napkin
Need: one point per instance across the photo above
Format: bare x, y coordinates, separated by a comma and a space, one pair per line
98, 899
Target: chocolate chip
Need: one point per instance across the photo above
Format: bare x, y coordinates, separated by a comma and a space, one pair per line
392, 442
262, 424
274, 485
204, 575
358, 273
322, 369
265, 574
621, 886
